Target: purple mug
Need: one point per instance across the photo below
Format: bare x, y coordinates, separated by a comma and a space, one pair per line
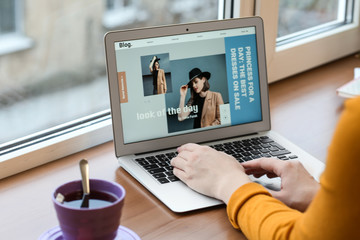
100, 222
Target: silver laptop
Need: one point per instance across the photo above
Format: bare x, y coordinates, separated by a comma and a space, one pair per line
145, 102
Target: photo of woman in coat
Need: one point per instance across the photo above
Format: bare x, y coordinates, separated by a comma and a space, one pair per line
207, 102
159, 80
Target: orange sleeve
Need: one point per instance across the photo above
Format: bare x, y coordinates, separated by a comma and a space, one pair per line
335, 211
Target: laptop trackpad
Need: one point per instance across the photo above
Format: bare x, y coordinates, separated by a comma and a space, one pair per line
269, 183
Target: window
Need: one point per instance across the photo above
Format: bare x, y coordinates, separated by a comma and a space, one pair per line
7, 17
136, 13
124, 12
53, 86
11, 32
53, 94
301, 19
315, 31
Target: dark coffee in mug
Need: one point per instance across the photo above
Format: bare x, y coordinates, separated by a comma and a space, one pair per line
97, 199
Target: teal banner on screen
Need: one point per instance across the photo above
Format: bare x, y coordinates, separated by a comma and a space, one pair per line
243, 79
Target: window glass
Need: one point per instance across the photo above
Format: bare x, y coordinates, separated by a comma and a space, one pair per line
308, 17
7, 17
63, 76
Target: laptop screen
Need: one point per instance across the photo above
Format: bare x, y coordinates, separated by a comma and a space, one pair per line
186, 83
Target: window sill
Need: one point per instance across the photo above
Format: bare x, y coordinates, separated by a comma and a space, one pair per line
14, 43
58, 146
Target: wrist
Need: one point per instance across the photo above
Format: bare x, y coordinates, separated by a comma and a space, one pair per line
227, 188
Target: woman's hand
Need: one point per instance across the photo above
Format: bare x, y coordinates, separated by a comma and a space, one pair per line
183, 90
298, 187
208, 171
183, 115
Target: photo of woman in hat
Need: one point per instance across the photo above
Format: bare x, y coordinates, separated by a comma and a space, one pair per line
159, 80
207, 102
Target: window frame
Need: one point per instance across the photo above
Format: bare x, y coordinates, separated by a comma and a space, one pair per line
73, 137
326, 43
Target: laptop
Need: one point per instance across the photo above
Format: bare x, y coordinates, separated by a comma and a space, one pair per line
145, 102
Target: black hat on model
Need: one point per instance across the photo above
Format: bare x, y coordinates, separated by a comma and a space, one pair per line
196, 72
156, 58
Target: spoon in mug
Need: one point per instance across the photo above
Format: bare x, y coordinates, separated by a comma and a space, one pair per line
84, 169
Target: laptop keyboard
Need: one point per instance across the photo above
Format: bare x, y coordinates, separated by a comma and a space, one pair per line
248, 149
242, 150
159, 166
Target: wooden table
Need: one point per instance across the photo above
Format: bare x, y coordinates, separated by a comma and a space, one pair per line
304, 109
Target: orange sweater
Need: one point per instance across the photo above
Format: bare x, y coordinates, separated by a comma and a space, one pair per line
334, 212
